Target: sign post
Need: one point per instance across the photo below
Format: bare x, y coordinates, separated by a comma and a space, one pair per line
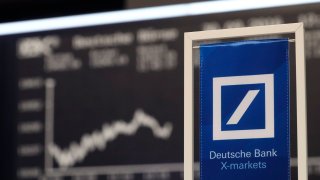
244, 97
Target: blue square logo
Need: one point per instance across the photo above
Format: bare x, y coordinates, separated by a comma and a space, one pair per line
234, 98
243, 107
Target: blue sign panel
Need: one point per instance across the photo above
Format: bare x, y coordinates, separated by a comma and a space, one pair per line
244, 110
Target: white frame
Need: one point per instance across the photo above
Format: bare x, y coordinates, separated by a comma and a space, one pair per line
268, 131
191, 38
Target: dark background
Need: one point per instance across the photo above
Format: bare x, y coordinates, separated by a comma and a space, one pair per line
13, 10
25, 9
16, 10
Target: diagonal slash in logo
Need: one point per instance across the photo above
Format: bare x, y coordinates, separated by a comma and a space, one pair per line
251, 95
243, 106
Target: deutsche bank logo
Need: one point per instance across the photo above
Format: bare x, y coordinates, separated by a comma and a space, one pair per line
243, 107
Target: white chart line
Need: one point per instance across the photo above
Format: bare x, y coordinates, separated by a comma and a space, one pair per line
49, 116
97, 140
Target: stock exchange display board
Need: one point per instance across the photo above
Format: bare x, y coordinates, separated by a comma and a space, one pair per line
106, 101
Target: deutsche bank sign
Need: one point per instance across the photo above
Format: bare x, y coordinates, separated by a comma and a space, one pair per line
256, 93
244, 104
244, 110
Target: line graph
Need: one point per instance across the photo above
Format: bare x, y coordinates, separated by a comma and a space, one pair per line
98, 139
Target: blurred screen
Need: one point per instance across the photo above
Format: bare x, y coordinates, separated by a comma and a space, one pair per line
106, 101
